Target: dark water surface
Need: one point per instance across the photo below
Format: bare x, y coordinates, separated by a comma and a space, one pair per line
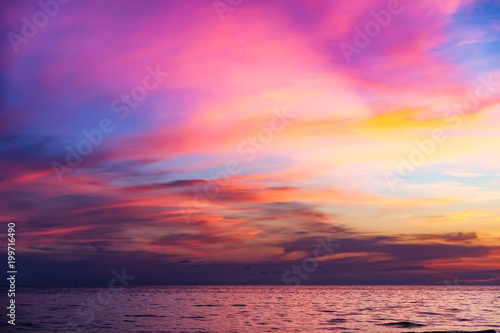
257, 309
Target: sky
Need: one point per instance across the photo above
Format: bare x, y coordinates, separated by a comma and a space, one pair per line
252, 141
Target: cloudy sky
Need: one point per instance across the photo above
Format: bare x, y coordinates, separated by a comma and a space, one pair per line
199, 141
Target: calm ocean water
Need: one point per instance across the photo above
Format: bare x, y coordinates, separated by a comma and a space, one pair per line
258, 309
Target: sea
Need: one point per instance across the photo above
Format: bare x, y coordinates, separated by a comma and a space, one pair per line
446, 308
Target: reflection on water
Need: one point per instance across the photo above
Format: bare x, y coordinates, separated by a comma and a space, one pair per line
259, 309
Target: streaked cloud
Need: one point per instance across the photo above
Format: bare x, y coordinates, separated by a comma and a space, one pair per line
262, 134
